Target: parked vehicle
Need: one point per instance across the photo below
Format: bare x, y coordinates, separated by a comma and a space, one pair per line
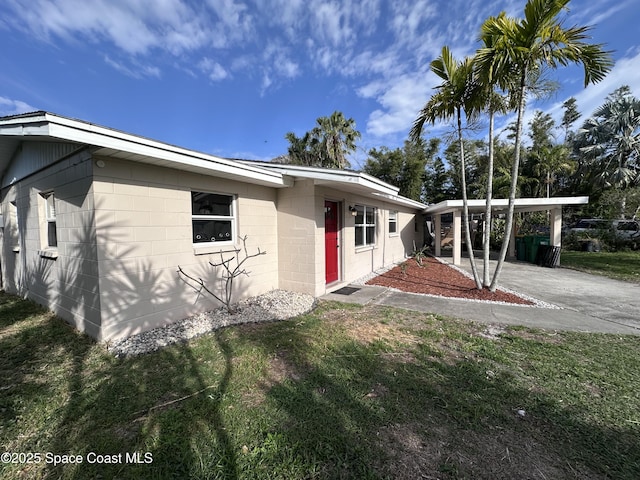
627, 231
590, 233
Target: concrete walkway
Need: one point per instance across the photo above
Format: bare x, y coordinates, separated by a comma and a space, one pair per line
581, 302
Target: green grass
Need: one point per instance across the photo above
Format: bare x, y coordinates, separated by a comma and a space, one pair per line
622, 265
343, 392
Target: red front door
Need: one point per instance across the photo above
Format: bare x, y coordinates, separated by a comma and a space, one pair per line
331, 241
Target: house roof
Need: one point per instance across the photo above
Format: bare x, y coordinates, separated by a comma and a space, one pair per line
502, 204
44, 126
345, 180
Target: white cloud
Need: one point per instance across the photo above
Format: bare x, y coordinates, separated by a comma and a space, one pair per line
401, 100
625, 72
136, 71
120, 22
590, 98
213, 69
14, 107
277, 63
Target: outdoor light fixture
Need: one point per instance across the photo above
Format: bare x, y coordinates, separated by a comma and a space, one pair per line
353, 210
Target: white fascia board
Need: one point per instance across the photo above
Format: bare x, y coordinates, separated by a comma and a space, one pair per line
41, 128
521, 204
400, 200
333, 177
86, 133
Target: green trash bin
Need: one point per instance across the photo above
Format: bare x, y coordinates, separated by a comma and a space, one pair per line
535, 242
528, 247
521, 250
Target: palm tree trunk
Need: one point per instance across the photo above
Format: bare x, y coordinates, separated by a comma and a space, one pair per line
486, 232
465, 207
515, 167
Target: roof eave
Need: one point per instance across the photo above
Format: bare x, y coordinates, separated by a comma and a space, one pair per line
142, 149
521, 204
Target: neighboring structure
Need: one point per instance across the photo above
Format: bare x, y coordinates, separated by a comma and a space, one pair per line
95, 223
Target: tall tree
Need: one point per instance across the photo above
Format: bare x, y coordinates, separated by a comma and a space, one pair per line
437, 183
453, 97
523, 47
609, 142
327, 145
544, 158
569, 117
403, 167
336, 137
495, 102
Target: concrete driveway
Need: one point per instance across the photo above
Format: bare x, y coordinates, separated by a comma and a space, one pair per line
578, 301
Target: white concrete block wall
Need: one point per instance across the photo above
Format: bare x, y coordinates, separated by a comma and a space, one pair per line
144, 232
64, 279
388, 249
297, 234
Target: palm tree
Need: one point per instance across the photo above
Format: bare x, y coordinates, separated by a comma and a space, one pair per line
336, 137
549, 160
610, 141
454, 95
523, 47
326, 145
495, 103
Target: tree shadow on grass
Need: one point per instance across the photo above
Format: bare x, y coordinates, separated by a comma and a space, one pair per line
333, 407
366, 411
68, 396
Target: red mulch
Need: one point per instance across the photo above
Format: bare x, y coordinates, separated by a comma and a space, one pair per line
437, 278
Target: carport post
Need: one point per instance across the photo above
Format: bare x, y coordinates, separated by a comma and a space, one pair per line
511, 252
457, 236
437, 230
555, 233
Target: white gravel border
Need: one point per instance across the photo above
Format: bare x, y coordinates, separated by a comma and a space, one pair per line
271, 306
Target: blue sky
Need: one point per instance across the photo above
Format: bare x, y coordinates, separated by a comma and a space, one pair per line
231, 77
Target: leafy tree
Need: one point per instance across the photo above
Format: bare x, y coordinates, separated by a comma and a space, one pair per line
609, 142
475, 153
545, 159
403, 167
453, 97
385, 164
522, 47
569, 117
437, 183
327, 145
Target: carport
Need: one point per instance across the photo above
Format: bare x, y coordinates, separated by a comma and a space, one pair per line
500, 205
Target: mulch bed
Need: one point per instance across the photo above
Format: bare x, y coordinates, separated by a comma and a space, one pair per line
437, 278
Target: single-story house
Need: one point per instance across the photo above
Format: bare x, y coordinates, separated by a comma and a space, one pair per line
95, 222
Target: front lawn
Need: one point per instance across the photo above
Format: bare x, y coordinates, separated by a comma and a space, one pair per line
622, 265
343, 392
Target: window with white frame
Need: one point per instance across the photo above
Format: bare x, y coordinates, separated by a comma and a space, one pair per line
365, 227
14, 226
50, 217
393, 222
212, 217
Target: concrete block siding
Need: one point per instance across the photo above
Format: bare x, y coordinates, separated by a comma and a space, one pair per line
123, 224
124, 228
144, 233
64, 279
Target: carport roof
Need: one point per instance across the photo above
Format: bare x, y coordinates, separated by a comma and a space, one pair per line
502, 204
